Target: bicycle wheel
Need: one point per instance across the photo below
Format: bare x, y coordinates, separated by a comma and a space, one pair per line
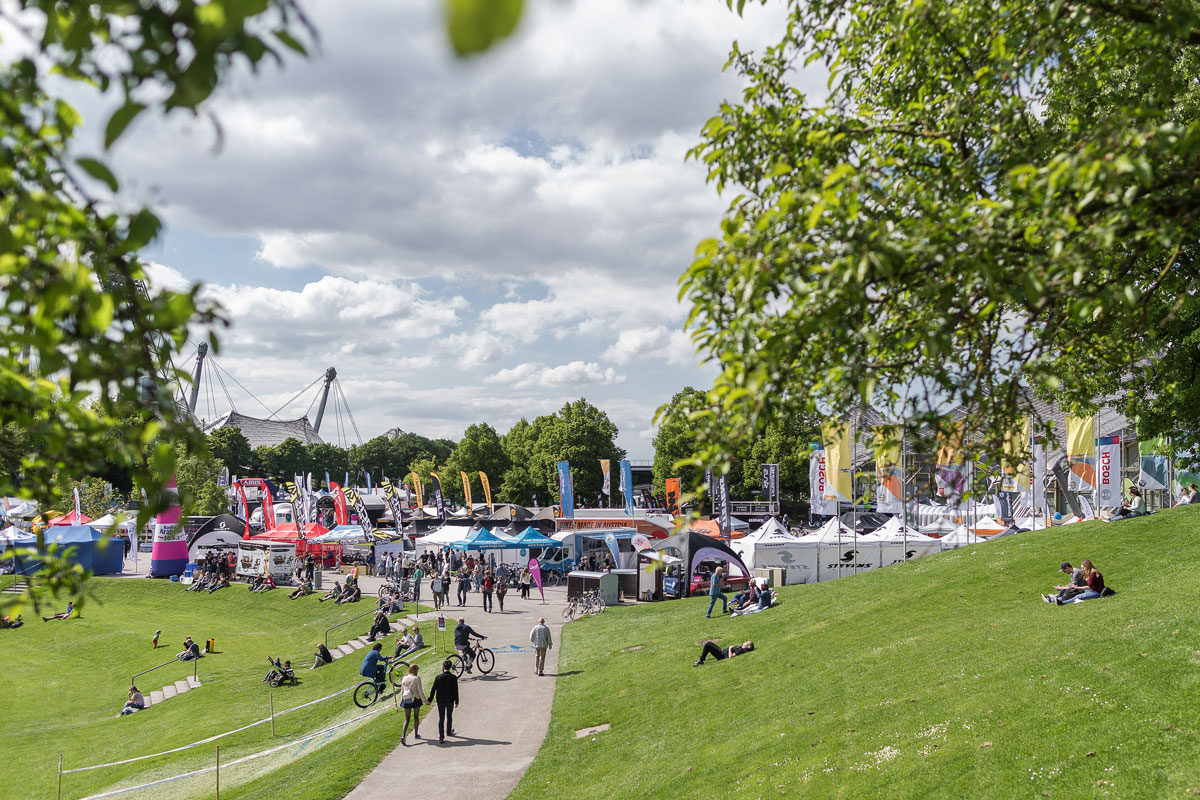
551, 578
568, 612
485, 660
365, 694
457, 665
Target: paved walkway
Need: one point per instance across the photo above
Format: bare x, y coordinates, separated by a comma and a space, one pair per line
501, 720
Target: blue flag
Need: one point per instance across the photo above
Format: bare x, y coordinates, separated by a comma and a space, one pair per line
566, 492
627, 486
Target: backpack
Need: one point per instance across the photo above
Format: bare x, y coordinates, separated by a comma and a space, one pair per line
1108, 591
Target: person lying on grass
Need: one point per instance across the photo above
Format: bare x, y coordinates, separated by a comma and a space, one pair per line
1094, 581
9, 622
1073, 587
720, 654
62, 615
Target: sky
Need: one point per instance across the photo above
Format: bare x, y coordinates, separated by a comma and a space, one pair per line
465, 241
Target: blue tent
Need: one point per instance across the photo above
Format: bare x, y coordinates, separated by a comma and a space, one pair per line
531, 538
88, 547
482, 539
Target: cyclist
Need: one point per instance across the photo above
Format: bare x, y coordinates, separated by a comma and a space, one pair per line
374, 665
462, 640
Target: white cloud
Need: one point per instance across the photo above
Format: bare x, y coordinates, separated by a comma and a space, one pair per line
537, 375
651, 343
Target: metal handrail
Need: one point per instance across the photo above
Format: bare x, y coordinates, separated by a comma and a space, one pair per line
347, 622
195, 665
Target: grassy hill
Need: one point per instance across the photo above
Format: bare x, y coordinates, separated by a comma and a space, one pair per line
944, 677
62, 684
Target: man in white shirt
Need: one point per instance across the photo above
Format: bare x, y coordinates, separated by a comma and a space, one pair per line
540, 638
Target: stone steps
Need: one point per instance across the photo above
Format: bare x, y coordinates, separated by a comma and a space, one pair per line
171, 690
17, 588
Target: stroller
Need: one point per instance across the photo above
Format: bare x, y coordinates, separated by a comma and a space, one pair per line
280, 673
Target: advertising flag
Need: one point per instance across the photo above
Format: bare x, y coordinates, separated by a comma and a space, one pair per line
419, 490
672, 489
78, 513
341, 514
360, 509
566, 490
890, 491
610, 539
223, 478
1037, 479
1081, 453
535, 572
1014, 458
393, 501
293, 490
627, 485
721, 509
266, 493
605, 468
439, 500
950, 472
244, 505
816, 485
1109, 473
839, 451
310, 505
487, 489
1153, 467
770, 481
466, 481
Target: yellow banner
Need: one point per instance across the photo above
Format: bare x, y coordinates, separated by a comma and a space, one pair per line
1015, 456
839, 455
487, 489
466, 488
419, 489
949, 445
887, 446
1081, 435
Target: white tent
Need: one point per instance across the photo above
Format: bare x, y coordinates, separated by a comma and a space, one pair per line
959, 537
840, 552
898, 544
12, 536
771, 546
987, 526
444, 536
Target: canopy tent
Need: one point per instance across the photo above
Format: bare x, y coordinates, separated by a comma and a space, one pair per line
20, 509
986, 526
771, 546
712, 527
222, 532
508, 512
287, 531
71, 519
864, 521
482, 539
531, 538
88, 547
444, 536
898, 544
939, 527
12, 536
959, 537
694, 548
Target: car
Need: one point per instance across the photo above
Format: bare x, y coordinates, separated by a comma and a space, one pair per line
731, 583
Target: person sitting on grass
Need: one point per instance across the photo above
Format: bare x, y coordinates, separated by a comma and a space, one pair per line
410, 643
1135, 506
1095, 585
351, 594
62, 615
255, 582
9, 622
223, 583
746, 599
135, 703
1073, 587
199, 582
304, 588
333, 593
762, 601
268, 583
380, 627
191, 650
322, 656
278, 672
719, 653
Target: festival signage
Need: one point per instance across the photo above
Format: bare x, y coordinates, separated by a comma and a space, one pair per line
244, 504
1153, 467
627, 485
439, 500
360, 509
890, 491
1081, 440
419, 489
605, 468
566, 490
487, 489
341, 514
466, 482
839, 484
817, 488
393, 501
1037, 478
672, 487
721, 508
950, 472
1109, 471
293, 490
770, 481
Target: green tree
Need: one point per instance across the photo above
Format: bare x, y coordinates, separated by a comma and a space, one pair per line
96, 496
196, 478
581, 434
230, 448
517, 484
81, 341
993, 198
423, 465
284, 461
374, 456
323, 457
480, 448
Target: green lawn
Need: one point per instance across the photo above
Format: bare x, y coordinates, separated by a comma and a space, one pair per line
944, 677
63, 683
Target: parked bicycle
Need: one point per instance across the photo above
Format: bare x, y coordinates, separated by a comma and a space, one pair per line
587, 603
484, 659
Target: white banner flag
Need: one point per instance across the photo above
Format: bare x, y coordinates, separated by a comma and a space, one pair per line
817, 485
1110, 471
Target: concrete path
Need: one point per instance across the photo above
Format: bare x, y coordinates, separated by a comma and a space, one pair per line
501, 720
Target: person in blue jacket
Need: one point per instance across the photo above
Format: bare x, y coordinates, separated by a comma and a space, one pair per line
374, 664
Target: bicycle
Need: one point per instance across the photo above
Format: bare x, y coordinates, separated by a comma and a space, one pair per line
368, 692
484, 659
587, 603
399, 668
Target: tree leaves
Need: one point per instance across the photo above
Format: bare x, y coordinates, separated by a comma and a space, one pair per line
475, 25
120, 120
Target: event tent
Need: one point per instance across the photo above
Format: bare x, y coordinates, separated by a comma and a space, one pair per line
864, 521
12, 536
712, 527
20, 509
532, 538
696, 547
986, 526
287, 531
443, 536
959, 537
223, 532
772, 547
71, 519
898, 544
88, 547
482, 539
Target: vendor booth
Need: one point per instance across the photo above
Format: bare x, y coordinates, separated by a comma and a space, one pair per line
87, 547
652, 577
219, 534
481, 539
695, 549
580, 583
898, 544
261, 558
771, 546
21, 546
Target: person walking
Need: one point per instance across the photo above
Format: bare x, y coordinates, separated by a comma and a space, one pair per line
435, 586
501, 590
540, 638
715, 593
444, 691
464, 581
417, 575
412, 697
525, 578
489, 583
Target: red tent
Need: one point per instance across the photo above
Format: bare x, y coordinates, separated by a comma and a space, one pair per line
286, 532
71, 519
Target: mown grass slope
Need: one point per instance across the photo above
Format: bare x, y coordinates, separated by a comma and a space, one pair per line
944, 677
63, 682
